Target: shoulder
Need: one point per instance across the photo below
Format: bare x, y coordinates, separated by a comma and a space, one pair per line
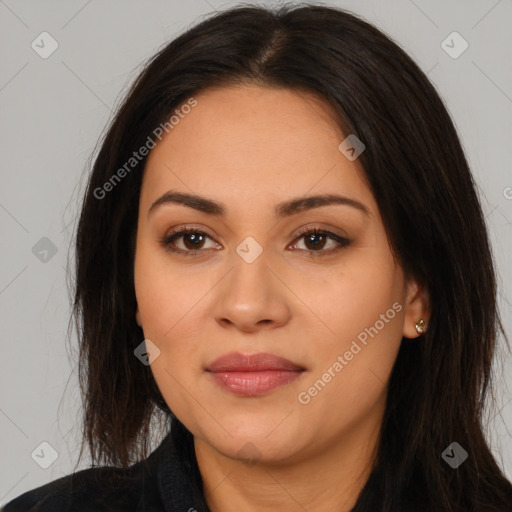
94, 489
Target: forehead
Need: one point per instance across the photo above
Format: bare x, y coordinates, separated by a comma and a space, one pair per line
248, 142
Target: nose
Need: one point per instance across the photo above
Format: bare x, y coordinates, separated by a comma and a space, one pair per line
252, 297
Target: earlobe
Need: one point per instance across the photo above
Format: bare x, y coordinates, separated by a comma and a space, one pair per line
137, 317
417, 310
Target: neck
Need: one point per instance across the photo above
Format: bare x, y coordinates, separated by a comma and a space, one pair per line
330, 479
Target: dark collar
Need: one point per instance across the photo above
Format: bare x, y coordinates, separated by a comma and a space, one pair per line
172, 479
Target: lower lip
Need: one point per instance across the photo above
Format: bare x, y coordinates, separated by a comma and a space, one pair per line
254, 383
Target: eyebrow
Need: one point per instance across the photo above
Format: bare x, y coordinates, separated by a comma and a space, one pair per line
284, 209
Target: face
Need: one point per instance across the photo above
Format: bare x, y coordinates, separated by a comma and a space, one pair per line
251, 277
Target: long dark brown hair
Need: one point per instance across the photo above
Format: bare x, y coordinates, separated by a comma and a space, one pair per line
417, 171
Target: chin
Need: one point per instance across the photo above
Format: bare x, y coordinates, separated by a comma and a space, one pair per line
257, 440
253, 451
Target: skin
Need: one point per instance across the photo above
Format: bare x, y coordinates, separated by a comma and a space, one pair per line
249, 148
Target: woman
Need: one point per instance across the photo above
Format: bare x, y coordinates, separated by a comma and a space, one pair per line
276, 252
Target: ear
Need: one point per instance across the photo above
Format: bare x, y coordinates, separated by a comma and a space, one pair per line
417, 307
137, 317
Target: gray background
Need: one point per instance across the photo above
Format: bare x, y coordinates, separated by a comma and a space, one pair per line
52, 113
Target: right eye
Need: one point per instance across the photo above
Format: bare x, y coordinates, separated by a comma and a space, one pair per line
193, 241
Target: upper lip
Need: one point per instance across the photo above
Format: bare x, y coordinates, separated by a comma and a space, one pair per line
236, 362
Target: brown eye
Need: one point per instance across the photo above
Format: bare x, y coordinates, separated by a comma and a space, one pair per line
192, 241
195, 240
315, 241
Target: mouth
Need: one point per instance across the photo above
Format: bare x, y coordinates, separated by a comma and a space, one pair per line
253, 374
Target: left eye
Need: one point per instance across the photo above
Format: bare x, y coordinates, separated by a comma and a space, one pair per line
314, 239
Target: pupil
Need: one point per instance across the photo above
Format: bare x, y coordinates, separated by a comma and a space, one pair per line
194, 238
313, 236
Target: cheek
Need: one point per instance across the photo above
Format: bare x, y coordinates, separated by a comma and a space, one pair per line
362, 314
348, 379
352, 297
173, 301
166, 294
168, 300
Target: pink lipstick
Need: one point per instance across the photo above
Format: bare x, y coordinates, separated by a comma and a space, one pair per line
253, 374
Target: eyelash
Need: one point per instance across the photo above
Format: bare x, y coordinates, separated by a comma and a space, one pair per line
167, 241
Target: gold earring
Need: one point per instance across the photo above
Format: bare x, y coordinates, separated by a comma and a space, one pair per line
420, 326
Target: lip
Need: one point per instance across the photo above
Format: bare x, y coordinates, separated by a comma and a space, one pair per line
236, 362
253, 374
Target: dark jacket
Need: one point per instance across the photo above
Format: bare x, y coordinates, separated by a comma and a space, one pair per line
163, 482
